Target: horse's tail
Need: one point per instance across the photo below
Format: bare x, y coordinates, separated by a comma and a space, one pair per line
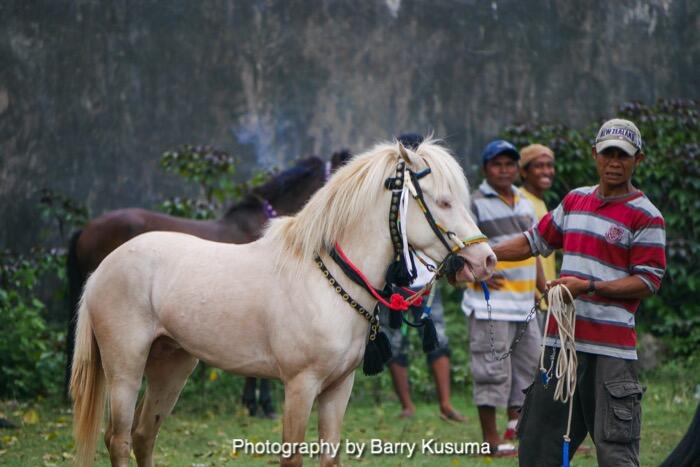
76, 280
87, 388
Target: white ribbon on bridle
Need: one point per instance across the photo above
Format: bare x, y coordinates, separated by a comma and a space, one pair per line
403, 216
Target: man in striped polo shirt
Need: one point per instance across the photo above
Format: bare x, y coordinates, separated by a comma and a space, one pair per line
501, 212
613, 240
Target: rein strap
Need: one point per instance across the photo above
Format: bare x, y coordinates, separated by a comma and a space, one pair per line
395, 302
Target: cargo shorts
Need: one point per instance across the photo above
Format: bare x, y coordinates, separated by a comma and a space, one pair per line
500, 383
607, 405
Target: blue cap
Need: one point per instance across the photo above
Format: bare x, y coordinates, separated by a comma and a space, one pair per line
498, 147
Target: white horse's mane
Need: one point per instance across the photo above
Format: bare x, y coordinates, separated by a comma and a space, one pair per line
353, 190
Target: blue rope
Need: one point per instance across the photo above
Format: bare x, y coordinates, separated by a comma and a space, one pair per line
565, 453
485, 288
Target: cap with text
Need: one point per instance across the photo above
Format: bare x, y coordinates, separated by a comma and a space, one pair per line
619, 133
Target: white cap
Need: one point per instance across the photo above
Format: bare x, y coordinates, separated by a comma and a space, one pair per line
621, 134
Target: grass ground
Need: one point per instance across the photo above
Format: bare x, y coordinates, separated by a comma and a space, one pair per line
201, 430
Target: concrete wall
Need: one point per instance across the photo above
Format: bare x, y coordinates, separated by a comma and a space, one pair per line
91, 93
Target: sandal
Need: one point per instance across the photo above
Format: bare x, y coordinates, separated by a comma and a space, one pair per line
504, 450
453, 416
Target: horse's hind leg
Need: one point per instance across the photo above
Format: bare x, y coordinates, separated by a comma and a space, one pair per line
123, 362
123, 392
167, 370
332, 403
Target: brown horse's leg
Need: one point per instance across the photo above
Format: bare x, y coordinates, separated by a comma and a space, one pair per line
165, 376
332, 403
299, 395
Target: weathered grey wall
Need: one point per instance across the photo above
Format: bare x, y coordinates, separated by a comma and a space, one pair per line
92, 92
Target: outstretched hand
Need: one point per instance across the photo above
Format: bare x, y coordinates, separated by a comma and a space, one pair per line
495, 282
575, 285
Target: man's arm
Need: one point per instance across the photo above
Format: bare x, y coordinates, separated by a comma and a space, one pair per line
515, 249
627, 287
540, 280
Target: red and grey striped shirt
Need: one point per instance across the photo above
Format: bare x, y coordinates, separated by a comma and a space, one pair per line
604, 239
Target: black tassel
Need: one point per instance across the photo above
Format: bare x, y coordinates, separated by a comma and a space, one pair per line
394, 319
384, 347
373, 364
430, 340
398, 274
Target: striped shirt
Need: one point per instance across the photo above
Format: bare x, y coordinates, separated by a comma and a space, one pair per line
604, 240
500, 221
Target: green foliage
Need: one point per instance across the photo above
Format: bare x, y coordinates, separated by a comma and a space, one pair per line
670, 178
31, 353
210, 168
66, 212
213, 170
188, 207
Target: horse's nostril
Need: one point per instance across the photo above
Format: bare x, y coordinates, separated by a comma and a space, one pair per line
490, 262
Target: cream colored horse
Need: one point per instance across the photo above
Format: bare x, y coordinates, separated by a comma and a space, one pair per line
163, 300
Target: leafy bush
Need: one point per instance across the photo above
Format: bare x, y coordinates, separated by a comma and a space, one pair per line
31, 353
213, 170
67, 213
670, 178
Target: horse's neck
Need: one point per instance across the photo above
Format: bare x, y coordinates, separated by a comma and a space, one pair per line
368, 247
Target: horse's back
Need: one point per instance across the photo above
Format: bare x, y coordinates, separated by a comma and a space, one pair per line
107, 232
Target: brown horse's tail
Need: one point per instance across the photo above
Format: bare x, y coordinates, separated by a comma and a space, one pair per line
76, 279
87, 388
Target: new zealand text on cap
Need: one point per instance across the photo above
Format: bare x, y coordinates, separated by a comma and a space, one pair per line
498, 147
621, 134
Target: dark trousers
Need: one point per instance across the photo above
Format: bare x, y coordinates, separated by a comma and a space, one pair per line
606, 406
264, 398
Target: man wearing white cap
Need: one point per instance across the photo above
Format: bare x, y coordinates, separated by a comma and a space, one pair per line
613, 240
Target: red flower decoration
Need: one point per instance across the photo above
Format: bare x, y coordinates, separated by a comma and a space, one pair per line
397, 302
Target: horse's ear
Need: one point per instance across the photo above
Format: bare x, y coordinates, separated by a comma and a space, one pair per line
403, 153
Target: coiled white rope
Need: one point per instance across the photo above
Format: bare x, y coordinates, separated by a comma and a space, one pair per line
566, 362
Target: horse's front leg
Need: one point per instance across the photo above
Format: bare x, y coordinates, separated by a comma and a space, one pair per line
332, 403
299, 395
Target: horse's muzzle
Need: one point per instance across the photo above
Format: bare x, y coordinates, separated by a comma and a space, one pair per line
454, 264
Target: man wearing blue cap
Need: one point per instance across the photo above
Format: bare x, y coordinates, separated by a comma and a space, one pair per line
502, 212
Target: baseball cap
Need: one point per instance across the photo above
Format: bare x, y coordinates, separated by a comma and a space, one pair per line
621, 134
498, 147
533, 151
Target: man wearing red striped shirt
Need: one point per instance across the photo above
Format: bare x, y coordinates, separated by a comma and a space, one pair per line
613, 240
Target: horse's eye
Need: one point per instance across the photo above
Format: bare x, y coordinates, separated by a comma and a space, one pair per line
444, 204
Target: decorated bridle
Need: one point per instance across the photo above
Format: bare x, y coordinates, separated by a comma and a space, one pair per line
401, 272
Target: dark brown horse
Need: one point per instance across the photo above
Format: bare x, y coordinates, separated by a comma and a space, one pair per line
243, 222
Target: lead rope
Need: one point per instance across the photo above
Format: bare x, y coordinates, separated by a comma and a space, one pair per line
567, 361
